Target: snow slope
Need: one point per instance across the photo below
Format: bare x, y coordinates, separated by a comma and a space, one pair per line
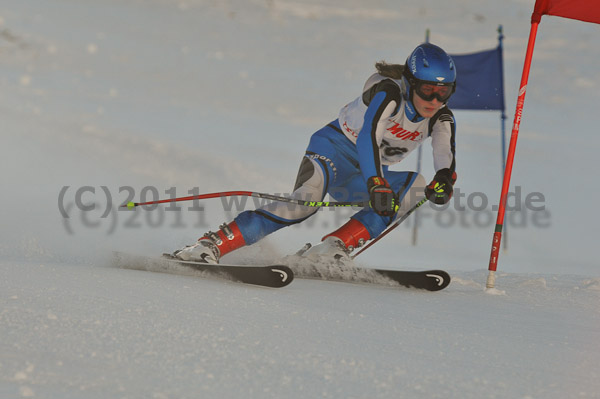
79, 331
142, 95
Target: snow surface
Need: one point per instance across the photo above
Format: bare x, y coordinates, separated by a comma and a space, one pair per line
172, 94
80, 331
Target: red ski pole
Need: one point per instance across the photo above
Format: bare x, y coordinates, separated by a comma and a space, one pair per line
314, 204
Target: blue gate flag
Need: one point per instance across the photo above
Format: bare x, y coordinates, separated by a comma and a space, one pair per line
479, 81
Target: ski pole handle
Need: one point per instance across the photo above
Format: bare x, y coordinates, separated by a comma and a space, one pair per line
313, 204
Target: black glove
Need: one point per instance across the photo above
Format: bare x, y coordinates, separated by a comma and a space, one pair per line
440, 190
383, 199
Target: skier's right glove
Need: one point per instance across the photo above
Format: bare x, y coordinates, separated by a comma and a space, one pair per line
440, 190
383, 199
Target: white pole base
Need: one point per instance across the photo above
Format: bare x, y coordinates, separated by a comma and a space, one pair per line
491, 280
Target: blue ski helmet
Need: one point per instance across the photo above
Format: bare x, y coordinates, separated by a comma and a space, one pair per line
429, 65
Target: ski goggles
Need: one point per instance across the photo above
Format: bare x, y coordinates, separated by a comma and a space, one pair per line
428, 91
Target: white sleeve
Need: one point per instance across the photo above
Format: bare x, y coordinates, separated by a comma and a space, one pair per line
443, 142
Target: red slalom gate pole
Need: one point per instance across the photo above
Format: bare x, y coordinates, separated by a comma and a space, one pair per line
497, 237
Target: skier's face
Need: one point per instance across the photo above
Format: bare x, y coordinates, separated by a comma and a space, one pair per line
426, 108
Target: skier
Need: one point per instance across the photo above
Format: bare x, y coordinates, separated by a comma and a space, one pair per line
400, 106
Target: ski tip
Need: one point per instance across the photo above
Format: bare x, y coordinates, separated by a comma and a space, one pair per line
284, 273
440, 278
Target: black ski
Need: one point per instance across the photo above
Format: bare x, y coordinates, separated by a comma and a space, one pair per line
430, 280
274, 276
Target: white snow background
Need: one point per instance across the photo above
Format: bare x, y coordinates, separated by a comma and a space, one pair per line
224, 95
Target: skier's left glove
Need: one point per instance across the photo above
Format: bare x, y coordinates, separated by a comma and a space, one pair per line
384, 200
440, 190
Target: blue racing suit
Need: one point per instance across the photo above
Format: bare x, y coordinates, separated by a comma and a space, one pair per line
376, 130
